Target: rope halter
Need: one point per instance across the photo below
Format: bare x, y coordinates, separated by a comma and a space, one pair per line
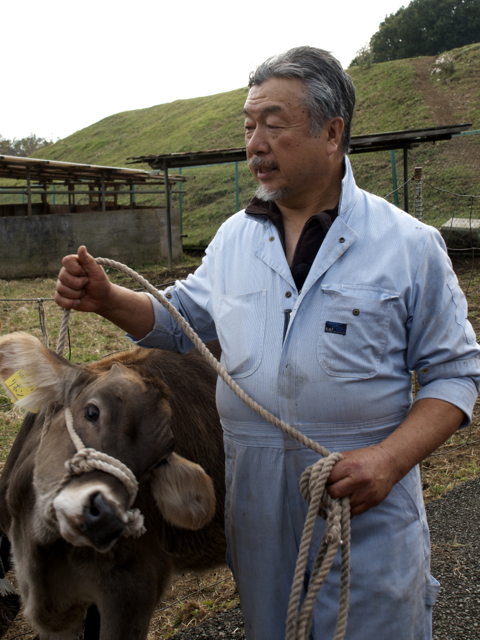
86, 460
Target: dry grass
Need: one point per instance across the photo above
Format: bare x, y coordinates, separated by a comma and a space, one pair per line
191, 599
454, 462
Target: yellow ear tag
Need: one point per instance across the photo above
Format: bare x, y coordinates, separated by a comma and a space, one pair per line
18, 387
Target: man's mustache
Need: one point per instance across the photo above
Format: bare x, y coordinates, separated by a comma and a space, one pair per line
256, 162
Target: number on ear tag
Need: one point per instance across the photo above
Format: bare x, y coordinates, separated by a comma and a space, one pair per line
17, 385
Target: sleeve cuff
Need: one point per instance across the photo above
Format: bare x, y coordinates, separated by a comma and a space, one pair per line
461, 392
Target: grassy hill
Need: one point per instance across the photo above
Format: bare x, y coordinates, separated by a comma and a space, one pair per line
396, 95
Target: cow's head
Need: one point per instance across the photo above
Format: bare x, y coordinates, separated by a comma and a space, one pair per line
122, 411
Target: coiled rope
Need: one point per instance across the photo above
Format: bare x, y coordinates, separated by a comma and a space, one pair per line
312, 485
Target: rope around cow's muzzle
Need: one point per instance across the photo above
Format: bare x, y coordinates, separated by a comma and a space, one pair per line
312, 484
88, 459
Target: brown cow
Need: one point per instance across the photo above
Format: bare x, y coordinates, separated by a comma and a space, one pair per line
155, 412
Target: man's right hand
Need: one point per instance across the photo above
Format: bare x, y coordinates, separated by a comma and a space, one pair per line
82, 284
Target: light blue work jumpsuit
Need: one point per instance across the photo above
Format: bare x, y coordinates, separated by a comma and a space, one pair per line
380, 301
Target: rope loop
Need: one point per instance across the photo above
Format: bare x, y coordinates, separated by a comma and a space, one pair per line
86, 460
135, 527
315, 474
337, 514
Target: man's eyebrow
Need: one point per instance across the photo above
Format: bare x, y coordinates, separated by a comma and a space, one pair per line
273, 109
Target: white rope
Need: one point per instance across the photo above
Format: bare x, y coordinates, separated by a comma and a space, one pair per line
86, 460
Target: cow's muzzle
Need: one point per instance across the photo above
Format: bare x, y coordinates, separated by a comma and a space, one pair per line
100, 523
90, 514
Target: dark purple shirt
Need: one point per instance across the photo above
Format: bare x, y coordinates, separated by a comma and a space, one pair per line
311, 238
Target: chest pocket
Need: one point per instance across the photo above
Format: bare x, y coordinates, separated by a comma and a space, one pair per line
240, 325
353, 333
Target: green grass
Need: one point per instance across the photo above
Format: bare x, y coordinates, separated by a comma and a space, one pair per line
184, 125
387, 99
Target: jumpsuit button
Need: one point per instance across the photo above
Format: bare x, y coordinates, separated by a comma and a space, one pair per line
356, 312
424, 370
271, 238
288, 294
342, 240
168, 296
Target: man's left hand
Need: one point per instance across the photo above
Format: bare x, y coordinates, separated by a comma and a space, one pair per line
368, 475
365, 475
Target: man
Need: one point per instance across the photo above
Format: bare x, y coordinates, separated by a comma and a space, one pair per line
325, 299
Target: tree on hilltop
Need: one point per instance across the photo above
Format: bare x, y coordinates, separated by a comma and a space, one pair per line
23, 147
424, 28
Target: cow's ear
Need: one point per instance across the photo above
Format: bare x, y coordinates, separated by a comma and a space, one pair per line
33, 376
184, 493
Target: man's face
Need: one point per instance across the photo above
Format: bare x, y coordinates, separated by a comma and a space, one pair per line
285, 159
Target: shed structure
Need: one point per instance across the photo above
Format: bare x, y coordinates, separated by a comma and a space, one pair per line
388, 141
36, 234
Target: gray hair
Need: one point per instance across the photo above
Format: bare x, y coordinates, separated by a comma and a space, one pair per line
329, 91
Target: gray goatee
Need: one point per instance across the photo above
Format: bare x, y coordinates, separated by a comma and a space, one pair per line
269, 195
263, 192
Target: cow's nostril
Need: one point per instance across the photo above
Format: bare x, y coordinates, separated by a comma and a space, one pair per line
100, 523
97, 504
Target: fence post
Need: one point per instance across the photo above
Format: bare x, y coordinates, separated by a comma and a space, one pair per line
394, 176
180, 201
29, 193
405, 179
168, 203
418, 193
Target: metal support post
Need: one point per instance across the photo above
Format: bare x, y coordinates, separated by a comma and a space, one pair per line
394, 176
103, 194
180, 201
169, 224
44, 198
405, 179
29, 193
418, 193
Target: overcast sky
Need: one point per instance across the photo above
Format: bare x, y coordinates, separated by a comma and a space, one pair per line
67, 65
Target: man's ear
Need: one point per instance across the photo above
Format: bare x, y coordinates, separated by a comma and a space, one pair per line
33, 376
334, 130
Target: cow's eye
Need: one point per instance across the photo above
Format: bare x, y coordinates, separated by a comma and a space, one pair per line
91, 413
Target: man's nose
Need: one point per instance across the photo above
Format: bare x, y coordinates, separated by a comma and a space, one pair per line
257, 142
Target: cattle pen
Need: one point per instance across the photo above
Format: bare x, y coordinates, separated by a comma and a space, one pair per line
53, 207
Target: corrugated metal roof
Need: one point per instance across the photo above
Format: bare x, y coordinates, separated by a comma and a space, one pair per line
358, 144
42, 171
